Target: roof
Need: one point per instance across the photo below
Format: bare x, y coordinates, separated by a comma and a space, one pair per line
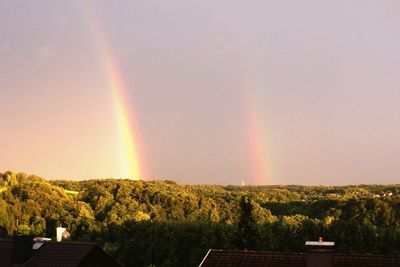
5, 252
241, 258
62, 254
366, 260
59, 254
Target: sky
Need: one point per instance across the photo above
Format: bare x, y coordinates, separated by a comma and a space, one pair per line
202, 92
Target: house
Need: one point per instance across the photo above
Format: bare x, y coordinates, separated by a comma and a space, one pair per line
317, 254
23, 251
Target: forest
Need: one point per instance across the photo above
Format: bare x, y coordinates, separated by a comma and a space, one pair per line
162, 223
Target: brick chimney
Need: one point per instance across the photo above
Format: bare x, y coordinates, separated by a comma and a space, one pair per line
22, 248
319, 253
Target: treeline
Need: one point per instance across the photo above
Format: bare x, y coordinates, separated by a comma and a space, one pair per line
162, 223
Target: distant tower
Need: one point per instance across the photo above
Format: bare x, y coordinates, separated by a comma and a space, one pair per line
242, 183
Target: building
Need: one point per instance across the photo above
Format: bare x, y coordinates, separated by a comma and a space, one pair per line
317, 254
23, 251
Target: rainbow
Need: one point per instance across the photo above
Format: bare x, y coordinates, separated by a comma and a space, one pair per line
128, 131
260, 161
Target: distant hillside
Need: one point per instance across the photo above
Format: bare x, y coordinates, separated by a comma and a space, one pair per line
158, 222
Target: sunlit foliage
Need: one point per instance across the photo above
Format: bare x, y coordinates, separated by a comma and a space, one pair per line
162, 223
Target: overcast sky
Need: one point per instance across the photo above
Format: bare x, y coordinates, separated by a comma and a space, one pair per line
266, 92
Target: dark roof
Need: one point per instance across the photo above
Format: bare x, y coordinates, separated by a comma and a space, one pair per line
59, 254
5, 252
62, 254
240, 258
366, 260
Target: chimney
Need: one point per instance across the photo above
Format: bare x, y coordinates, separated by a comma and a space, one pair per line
60, 231
22, 248
319, 253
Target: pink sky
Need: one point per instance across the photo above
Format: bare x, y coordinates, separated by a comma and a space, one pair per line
323, 80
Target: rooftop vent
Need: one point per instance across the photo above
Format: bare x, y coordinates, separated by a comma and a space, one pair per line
39, 241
